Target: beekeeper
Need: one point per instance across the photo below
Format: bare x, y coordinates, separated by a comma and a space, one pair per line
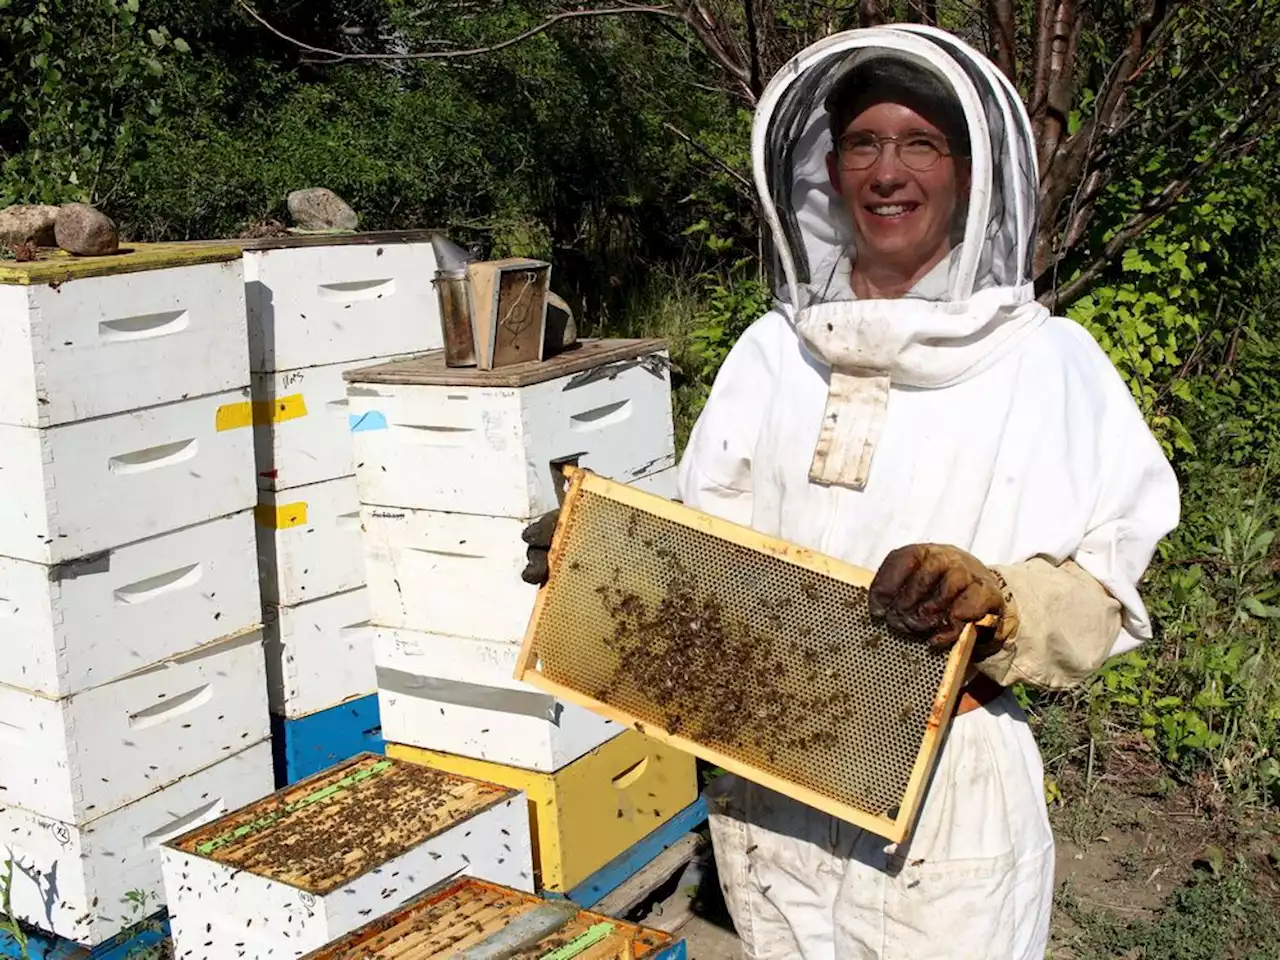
908, 407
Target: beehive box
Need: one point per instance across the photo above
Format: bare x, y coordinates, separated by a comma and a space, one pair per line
606, 403
310, 863
72, 880
314, 301
585, 814
80, 757
82, 338
302, 432
319, 653
445, 557
495, 921
306, 745
309, 543
457, 695
87, 622
80, 488
742, 649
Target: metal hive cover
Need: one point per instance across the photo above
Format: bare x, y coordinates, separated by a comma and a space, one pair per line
741, 649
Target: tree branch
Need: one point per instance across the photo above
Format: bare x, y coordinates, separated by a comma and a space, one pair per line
871, 13
1001, 33
704, 24
1170, 194
336, 56
749, 191
1058, 76
1040, 59
753, 47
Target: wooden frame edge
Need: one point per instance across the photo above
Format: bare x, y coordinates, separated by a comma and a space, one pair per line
525, 660
736, 533
881, 826
935, 733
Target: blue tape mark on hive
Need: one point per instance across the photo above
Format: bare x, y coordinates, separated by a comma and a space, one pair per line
121, 947
635, 858
307, 745
676, 951
369, 420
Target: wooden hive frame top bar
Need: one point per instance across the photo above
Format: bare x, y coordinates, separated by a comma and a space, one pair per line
459, 914
742, 649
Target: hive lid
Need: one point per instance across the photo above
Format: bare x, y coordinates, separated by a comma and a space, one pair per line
462, 915
335, 239
57, 266
590, 358
328, 829
741, 649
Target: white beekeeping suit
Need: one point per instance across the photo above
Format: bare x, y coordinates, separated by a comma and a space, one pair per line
961, 414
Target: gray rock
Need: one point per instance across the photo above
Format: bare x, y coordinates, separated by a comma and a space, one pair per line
28, 223
82, 230
318, 208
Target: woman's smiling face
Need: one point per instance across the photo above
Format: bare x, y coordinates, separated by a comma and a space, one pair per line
903, 215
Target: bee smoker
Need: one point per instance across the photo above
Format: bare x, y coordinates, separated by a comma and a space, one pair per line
453, 291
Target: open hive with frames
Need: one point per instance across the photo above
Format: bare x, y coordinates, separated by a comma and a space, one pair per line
741, 649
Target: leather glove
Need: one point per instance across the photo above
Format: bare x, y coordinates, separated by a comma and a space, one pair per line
538, 536
932, 591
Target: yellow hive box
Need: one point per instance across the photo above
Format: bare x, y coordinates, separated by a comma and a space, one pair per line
587, 813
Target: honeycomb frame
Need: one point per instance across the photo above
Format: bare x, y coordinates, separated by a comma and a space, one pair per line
793, 686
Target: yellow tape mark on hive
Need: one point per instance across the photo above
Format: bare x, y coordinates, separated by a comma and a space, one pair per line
279, 409
282, 517
232, 416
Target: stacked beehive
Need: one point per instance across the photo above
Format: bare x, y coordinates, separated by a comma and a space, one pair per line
317, 306
291, 872
132, 684
451, 465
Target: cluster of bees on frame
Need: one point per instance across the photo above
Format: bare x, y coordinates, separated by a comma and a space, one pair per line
686, 663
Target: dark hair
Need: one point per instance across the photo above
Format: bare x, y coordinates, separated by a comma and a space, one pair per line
895, 80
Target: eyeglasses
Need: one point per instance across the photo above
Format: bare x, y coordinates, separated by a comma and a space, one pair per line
859, 151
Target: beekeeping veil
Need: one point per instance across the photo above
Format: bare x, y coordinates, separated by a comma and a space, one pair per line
965, 313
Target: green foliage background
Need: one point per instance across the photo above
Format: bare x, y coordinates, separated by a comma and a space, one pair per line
183, 119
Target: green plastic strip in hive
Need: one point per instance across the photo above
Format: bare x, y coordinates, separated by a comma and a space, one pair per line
350, 780
589, 939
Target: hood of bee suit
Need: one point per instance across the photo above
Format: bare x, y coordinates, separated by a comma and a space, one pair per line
969, 311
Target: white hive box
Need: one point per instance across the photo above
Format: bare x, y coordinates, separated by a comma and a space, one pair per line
456, 695
302, 432
309, 543
313, 862
83, 338
82, 756
473, 441
80, 488
71, 880
319, 653
314, 301
84, 623
455, 573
